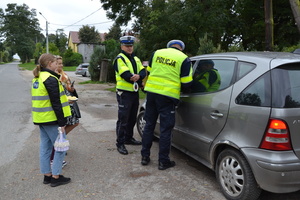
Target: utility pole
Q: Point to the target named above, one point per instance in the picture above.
(47, 43)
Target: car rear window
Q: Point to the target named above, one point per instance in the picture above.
(257, 93)
(286, 86)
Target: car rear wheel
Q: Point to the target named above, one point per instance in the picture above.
(235, 176)
(84, 75)
(140, 122)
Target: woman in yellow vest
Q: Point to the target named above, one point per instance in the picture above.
(50, 108)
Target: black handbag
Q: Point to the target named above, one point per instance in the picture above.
(76, 109)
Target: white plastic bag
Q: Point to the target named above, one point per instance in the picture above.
(61, 143)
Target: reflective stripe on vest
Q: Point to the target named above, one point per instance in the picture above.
(42, 110)
(165, 71)
(122, 67)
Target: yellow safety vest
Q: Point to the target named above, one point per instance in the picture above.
(122, 84)
(165, 71)
(42, 111)
(204, 79)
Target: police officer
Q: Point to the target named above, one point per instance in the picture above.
(169, 69)
(129, 75)
(206, 78)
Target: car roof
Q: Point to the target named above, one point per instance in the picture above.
(276, 58)
(257, 54)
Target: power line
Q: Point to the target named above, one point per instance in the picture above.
(82, 18)
(74, 24)
(81, 24)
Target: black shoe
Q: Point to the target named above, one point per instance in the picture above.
(163, 166)
(122, 150)
(47, 179)
(133, 142)
(60, 181)
(145, 160)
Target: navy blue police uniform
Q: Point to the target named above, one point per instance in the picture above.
(126, 65)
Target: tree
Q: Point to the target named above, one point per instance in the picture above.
(295, 5)
(59, 39)
(123, 11)
(114, 32)
(226, 22)
(89, 34)
(37, 52)
(269, 25)
(20, 29)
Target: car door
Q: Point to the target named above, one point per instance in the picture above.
(200, 116)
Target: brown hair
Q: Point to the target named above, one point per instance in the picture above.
(43, 62)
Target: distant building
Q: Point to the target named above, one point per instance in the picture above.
(73, 40)
(85, 50)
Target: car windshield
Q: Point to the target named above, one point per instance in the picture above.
(286, 86)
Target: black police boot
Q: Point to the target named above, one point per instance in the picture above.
(122, 149)
(166, 165)
(145, 160)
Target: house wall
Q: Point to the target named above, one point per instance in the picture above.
(72, 45)
(86, 50)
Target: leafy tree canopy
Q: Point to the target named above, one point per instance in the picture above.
(20, 28)
(226, 22)
(114, 32)
(89, 34)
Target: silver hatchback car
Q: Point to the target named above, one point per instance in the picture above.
(248, 128)
(82, 69)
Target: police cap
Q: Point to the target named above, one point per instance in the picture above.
(127, 40)
(179, 42)
(206, 62)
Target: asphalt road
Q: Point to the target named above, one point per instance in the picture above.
(97, 170)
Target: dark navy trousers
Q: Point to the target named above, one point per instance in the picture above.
(128, 103)
(164, 107)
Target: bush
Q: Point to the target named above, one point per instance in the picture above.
(96, 58)
(72, 59)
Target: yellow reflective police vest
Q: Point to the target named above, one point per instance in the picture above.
(122, 84)
(165, 71)
(204, 79)
(42, 111)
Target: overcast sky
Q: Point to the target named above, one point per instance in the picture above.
(69, 15)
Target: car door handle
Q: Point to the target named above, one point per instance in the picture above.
(216, 114)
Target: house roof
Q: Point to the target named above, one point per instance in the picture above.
(74, 35)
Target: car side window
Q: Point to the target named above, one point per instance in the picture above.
(211, 75)
(257, 93)
(243, 69)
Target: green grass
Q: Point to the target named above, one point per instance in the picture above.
(91, 82)
(27, 66)
(30, 66)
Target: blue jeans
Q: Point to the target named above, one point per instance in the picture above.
(48, 135)
(164, 107)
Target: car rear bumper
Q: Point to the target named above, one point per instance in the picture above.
(274, 171)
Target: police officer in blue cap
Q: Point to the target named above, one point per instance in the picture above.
(169, 70)
(129, 73)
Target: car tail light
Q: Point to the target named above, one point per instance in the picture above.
(277, 136)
